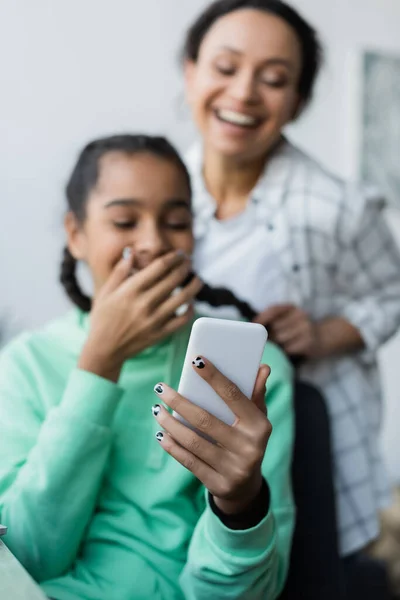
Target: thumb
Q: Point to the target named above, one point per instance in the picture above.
(260, 388)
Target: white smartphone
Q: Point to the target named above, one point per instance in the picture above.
(235, 348)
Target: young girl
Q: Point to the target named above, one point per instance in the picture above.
(103, 493)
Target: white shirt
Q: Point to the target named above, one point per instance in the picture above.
(308, 238)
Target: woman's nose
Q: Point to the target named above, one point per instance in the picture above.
(243, 88)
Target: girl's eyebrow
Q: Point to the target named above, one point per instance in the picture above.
(177, 203)
(170, 203)
(123, 202)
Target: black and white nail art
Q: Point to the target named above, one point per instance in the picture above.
(159, 389)
(127, 253)
(199, 363)
(159, 436)
(183, 308)
(156, 410)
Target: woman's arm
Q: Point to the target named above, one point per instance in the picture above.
(367, 300)
(336, 336)
(292, 328)
(369, 273)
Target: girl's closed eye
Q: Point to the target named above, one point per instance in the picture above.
(179, 226)
(125, 224)
(123, 217)
(225, 69)
(178, 219)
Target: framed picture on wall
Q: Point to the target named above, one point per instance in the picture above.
(380, 136)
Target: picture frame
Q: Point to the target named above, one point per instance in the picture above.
(380, 123)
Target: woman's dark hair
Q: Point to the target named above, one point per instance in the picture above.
(312, 53)
(84, 178)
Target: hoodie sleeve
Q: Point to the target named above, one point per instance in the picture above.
(252, 563)
(51, 463)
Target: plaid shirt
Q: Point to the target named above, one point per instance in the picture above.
(308, 238)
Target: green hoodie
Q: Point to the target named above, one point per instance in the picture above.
(96, 509)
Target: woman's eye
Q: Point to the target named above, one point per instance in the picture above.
(274, 82)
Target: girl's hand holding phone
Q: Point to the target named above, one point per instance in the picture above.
(230, 468)
(132, 313)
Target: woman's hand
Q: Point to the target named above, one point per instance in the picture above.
(231, 468)
(291, 328)
(133, 312)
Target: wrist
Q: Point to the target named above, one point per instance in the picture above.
(242, 503)
(319, 348)
(335, 337)
(99, 362)
(249, 517)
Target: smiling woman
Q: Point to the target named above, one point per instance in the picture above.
(245, 77)
(311, 253)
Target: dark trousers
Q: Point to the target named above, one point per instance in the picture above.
(316, 571)
(366, 578)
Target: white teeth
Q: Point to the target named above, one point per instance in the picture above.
(236, 118)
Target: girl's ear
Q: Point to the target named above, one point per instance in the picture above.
(76, 239)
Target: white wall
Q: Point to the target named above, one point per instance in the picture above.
(75, 69)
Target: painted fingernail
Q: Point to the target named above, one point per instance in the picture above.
(159, 389)
(199, 363)
(127, 253)
(159, 436)
(156, 409)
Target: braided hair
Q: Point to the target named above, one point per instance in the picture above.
(222, 297)
(84, 178)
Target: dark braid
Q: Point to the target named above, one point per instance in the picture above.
(222, 297)
(69, 281)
